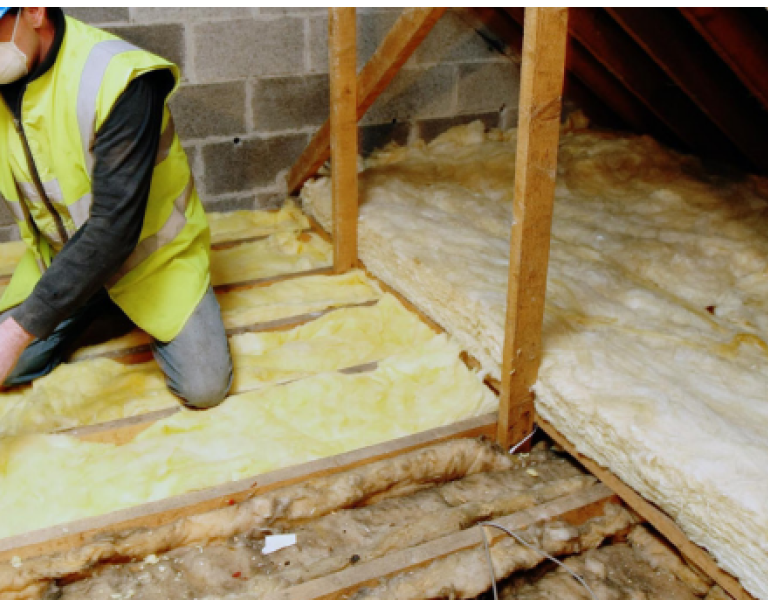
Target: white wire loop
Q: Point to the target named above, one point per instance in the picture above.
(576, 576)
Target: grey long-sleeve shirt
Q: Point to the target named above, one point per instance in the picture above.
(124, 155)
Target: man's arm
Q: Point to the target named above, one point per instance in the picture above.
(124, 157)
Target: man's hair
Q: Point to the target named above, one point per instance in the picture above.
(13, 11)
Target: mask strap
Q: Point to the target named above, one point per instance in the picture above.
(15, 25)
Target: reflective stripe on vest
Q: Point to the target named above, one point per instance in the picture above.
(167, 233)
(51, 188)
(90, 83)
(16, 210)
(87, 96)
(53, 191)
(80, 210)
(166, 141)
(18, 214)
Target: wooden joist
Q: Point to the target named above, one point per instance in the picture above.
(698, 71)
(78, 533)
(342, 44)
(267, 281)
(122, 431)
(663, 524)
(575, 508)
(405, 36)
(535, 171)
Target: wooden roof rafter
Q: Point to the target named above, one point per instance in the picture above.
(737, 41)
(700, 73)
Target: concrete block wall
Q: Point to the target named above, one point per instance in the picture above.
(255, 87)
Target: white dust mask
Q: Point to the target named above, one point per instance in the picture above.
(13, 62)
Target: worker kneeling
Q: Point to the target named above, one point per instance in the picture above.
(96, 178)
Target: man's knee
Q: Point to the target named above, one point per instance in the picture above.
(207, 393)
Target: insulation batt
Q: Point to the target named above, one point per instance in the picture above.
(225, 227)
(282, 509)
(281, 253)
(326, 544)
(422, 387)
(100, 390)
(239, 224)
(242, 308)
(655, 358)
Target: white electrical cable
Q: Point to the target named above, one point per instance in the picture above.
(576, 576)
(490, 564)
(528, 437)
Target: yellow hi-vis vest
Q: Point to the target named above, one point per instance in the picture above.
(163, 280)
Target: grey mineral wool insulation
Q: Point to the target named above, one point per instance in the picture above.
(643, 568)
(465, 574)
(331, 543)
(279, 508)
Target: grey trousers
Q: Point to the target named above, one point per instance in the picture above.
(197, 363)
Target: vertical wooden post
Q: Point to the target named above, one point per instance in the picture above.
(342, 45)
(541, 88)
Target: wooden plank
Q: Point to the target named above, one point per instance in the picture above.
(142, 353)
(318, 229)
(536, 167)
(663, 523)
(267, 281)
(226, 244)
(342, 44)
(610, 46)
(699, 72)
(77, 533)
(120, 431)
(344, 583)
(433, 325)
(731, 33)
(405, 36)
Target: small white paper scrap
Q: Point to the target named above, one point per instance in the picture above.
(273, 543)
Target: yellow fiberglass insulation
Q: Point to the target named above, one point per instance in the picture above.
(100, 390)
(343, 338)
(655, 338)
(252, 306)
(225, 227)
(49, 479)
(279, 254)
(241, 224)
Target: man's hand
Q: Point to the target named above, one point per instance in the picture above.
(13, 340)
